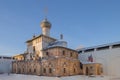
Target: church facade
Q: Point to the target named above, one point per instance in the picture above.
(47, 56)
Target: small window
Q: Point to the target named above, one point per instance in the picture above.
(44, 70)
(29, 70)
(64, 70)
(64, 64)
(34, 70)
(63, 52)
(33, 48)
(47, 53)
(19, 71)
(74, 70)
(101, 69)
(71, 54)
(91, 67)
(23, 69)
(81, 65)
(50, 70)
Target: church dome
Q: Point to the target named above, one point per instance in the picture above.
(45, 23)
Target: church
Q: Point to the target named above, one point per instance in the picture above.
(47, 56)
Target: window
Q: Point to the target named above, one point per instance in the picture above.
(86, 70)
(74, 70)
(34, 70)
(29, 70)
(70, 54)
(63, 52)
(47, 53)
(50, 70)
(23, 69)
(44, 70)
(33, 48)
(101, 69)
(91, 67)
(19, 70)
(64, 70)
(81, 65)
(64, 64)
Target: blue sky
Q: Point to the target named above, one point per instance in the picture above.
(82, 22)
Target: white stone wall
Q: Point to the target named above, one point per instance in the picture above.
(5, 65)
(110, 58)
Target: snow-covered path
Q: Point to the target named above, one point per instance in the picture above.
(33, 77)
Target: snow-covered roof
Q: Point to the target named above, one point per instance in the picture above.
(94, 47)
(57, 43)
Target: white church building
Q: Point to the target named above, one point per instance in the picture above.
(108, 55)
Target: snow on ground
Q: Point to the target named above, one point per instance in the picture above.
(33, 77)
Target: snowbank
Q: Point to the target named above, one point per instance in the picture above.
(33, 77)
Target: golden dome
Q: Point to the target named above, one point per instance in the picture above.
(45, 23)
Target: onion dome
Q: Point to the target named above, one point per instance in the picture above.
(45, 23)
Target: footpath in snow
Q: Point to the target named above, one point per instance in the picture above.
(33, 77)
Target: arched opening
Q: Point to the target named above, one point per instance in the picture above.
(23, 70)
(33, 48)
(81, 65)
(74, 70)
(101, 70)
(19, 71)
(50, 70)
(87, 71)
(71, 54)
(34, 70)
(44, 70)
(47, 54)
(63, 52)
(30, 70)
(64, 70)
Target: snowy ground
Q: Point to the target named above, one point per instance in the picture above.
(33, 77)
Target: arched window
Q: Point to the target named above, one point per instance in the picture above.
(29, 70)
(101, 70)
(74, 70)
(63, 52)
(71, 54)
(23, 69)
(34, 70)
(64, 63)
(81, 65)
(50, 70)
(44, 70)
(86, 70)
(64, 70)
(47, 53)
(33, 48)
(19, 70)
